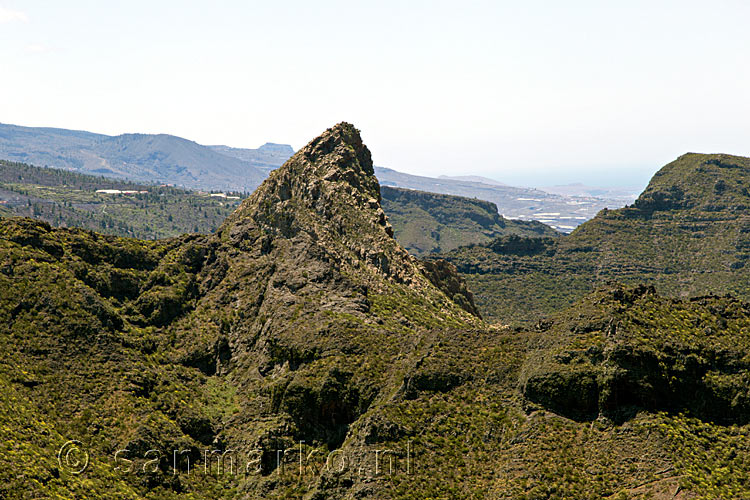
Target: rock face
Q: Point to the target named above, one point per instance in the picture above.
(321, 360)
(301, 313)
(443, 275)
(328, 192)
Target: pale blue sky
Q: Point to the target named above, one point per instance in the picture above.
(527, 92)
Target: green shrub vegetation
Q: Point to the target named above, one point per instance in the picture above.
(328, 362)
(684, 235)
(69, 199)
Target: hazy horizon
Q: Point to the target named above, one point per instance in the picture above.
(535, 94)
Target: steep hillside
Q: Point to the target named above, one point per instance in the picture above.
(623, 350)
(300, 352)
(140, 157)
(668, 368)
(283, 325)
(688, 234)
(428, 222)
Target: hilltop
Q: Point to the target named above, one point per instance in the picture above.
(687, 234)
(301, 333)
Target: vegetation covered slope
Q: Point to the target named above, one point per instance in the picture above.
(284, 324)
(673, 366)
(321, 359)
(688, 234)
(68, 199)
(428, 222)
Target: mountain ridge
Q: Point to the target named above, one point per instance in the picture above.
(167, 159)
(686, 234)
(302, 332)
(563, 213)
(153, 158)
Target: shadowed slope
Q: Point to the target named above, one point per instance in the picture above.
(302, 328)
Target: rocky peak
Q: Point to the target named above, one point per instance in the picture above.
(327, 190)
(336, 161)
(337, 145)
(324, 203)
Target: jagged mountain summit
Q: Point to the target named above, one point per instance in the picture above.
(301, 313)
(687, 234)
(301, 352)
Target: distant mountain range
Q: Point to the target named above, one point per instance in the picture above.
(472, 178)
(167, 159)
(266, 158)
(142, 157)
